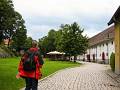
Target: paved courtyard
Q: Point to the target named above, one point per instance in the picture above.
(89, 76)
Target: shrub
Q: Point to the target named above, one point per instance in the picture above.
(5, 52)
(112, 61)
(52, 59)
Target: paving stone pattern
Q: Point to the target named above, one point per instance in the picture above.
(90, 76)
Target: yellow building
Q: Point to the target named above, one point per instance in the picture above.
(116, 20)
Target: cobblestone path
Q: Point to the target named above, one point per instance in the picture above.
(90, 76)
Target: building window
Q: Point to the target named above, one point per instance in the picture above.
(106, 54)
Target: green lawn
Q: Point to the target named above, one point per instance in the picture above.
(8, 71)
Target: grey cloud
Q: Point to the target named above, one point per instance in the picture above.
(85, 21)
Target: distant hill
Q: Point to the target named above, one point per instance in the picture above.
(5, 52)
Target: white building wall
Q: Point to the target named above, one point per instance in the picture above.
(80, 57)
(98, 52)
(106, 52)
(111, 48)
(102, 48)
(91, 52)
(106, 47)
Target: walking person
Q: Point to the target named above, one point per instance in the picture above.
(30, 67)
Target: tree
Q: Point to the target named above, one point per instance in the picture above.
(58, 39)
(42, 44)
(7, 15)
(73, 42)
(68, 39)
(47, 43)
(51, 40)
(28, 43)
(19, 38)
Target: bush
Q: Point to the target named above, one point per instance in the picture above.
(112, 61)
(51, 59)
(5, 52)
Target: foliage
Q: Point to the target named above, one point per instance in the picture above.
(58, 40)
(19, 38)
(112, 61)
(7, 19)
(68, 39)
(42, 46)
(5, 52)
(8, 71)
(51, 59)
(72, 41)
(47, 43)
(11, 25)
(28, 43)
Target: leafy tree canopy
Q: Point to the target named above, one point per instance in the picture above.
(11, 25)
(19, 37)
(68, 39)
(47, 43)
(7, 18)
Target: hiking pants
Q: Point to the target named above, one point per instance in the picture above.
(31, 83)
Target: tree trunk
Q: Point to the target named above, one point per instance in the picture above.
(75, 58)
(1, 36)
(8, 42)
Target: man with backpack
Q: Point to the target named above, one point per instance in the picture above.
(29, 67)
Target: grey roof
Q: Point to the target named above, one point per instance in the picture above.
(103, 36)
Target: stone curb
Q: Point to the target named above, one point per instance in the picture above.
(114, 76)
(56, 73)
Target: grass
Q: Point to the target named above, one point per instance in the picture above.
(52, 66)
(8, 71)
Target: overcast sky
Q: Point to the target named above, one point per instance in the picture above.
(42, 15)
